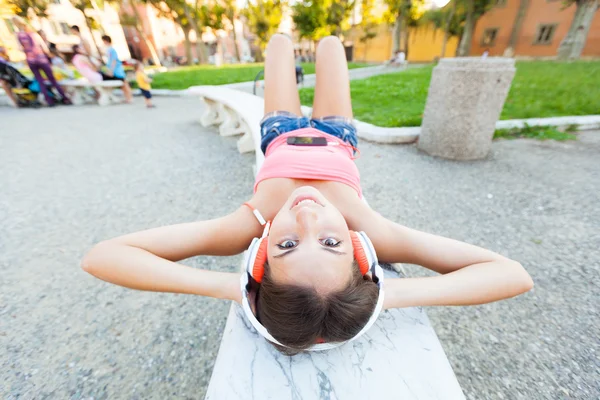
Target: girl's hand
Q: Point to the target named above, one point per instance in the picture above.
(470, 274)
(147, 260)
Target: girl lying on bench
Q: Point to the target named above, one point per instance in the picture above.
(312, 279)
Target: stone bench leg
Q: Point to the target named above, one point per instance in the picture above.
(77, 95)
(213, 112)
(106, 96)
(232, 125)
(246, 143)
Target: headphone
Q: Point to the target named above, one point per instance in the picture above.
(364, 254)
(254, 267)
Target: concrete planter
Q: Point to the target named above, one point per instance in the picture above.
(465, 99)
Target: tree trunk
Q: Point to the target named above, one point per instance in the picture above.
(187, 44)
(447, 28)
(406, 37)
(87, 24)
(397, 35)
(572, 45)
(465, 41)
(235, 43)
(140, 30)
(200, 46)
(514, 34)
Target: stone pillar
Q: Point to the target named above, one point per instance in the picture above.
(465, 99)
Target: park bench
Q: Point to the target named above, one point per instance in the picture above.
(79, 91)
(400, 357)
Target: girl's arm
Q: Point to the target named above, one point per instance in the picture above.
(147, 260)
(470, 274)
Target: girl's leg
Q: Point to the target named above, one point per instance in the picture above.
(332, 90)
(7, 88)
(36, 68)
(127, 91)
(281, 93)
(50, 75)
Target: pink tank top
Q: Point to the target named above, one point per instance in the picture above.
(32, 49)
(333, 162)
(84, 69)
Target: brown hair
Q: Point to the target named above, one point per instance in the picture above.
(299, 316)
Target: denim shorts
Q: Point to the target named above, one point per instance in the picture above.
(277, 123)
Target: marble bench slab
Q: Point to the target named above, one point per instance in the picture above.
(400, 357)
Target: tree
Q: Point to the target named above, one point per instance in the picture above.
(514, 33)
(573, 43)
(447, 19)
(21, 7)
(464, 47)
(368, 24)
(211, 16)
(134, 20)
(264, 18)
(310, 19)
(447, 24)
(337, 13)
(403, 14)
(474, 9)
(90, 22)
(231, 12)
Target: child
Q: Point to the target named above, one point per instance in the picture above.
(144, 84)
(58, 63)
(115, 70)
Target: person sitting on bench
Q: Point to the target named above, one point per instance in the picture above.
(312, 279)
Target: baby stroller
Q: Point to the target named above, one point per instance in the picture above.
(26, 90)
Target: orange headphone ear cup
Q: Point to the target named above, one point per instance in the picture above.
(359, 253)
(258, 270)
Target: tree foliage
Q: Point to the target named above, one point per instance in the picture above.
(310, 19)
(263, 18)
(315, 19)
(368, 21)
(21, 7)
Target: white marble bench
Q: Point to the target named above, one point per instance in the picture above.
(400, 357)
(236, 113)
(79, 91)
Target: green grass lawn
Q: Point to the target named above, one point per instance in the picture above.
(184, 77)
(539, 89)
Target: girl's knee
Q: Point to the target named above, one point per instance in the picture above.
(280, 40)
(329, 42)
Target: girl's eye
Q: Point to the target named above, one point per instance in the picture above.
(287, 244)
(330, 242)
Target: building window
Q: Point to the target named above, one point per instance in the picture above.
(65, 28)
(54, 26)
(544, 34)
(489, 37)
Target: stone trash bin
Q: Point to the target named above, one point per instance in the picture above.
(465, 99)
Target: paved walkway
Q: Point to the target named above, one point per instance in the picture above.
(70, 177)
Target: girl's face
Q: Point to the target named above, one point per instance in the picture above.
(309, 243)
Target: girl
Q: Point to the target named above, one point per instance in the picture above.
(37, 60)
(311, 276)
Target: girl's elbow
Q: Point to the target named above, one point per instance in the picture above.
(92, 259)
(525, 283)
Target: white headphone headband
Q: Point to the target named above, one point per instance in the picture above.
(375, 269)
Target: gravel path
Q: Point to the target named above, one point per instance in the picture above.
(70, 177)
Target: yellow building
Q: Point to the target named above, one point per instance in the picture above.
(424, 44)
